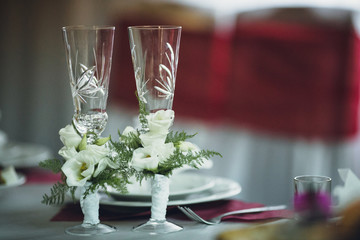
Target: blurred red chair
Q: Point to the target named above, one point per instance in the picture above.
(293, 74)
(286, 71)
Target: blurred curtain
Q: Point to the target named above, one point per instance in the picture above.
(35, 99)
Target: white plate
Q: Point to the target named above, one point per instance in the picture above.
(23, 155)
(21, 180)
(223, 188)
(180, 184)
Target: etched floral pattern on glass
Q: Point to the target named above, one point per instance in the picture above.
(155, 52)
(89, 56)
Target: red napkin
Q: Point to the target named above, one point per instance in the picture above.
(72, 212)
(39, 176)
(213, 209)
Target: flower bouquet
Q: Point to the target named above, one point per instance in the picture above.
(88, 161)
(88, 167)
(155, 152)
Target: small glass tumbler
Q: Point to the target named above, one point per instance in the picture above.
(312, 197)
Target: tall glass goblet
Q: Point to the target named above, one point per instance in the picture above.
(89, 55)
(155, 52)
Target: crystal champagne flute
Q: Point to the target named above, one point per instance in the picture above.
(155, 52)
(89, 55)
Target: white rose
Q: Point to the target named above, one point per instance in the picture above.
(67, 152)
(69, 137)
(164, 151)
(78, 169)
(150, 138)
(188, 146)
(145, 158)
(160, 121)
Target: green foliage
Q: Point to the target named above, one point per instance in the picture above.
(115, 178)
(57, 195)
(123, 150)
(179, 159)
(52, 164)
(142, 113)
(176, 137)
(109, 178)
(128, 144)
(131, 141)
(121, 155)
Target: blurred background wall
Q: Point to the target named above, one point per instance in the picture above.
(268, 130)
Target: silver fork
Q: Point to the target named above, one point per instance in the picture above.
(192, 215)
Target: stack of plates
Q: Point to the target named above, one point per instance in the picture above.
(23, 155)
(185, 188)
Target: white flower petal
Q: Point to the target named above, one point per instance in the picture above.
(164, 151)
(69, 137)
(188, 146)
(95, 152)
(160, 121)
(78, 170)
(88, 169)
(151, 138)
(71, 169)
(144, 158)
(67, 152)
(129, 130)
(103, 164)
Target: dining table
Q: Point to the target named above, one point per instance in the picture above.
(23, 216)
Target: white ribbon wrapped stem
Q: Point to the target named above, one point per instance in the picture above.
(90, 205)
(159, 196)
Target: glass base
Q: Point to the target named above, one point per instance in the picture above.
(154, 227)
(89, 229)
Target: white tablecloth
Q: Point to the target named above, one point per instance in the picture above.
(23, 216)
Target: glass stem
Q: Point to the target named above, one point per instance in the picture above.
(90, 138)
